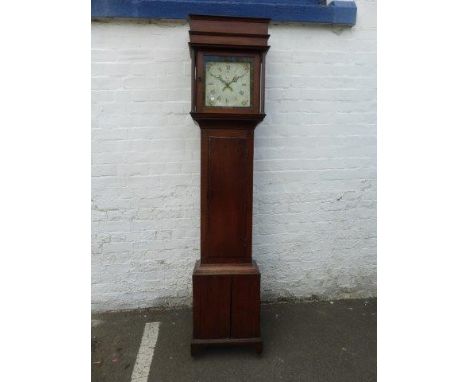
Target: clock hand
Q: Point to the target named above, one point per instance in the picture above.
(235, 78)
(226, 84)
(218, 78)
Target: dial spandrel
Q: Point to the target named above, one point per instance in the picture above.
(228, 81)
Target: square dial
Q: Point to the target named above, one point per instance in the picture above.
(228, 81)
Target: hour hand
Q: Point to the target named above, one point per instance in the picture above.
(218, 78)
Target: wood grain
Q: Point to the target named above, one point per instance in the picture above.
(211, 308)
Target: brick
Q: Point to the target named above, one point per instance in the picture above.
(314, 229)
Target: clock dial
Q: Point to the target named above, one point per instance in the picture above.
(228, 83)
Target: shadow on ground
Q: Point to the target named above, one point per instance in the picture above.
(317, 341)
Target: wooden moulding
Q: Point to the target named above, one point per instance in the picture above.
(250, 33)
(237, 40)
(198, 345)
(225, 269)
(228, 119)
(228, 32)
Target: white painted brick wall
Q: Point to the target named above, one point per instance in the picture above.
(315, 164)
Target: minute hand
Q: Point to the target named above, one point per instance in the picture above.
(226, 84)
(235, 78)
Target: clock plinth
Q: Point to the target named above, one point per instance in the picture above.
(228, 56)
(226, 305)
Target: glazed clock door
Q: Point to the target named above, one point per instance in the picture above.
(228, 82)
(227, 195)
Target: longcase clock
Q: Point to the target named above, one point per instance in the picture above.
(228, 72)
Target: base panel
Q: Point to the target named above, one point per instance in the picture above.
(226, 305)
(198, 345)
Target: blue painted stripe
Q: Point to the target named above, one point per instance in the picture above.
(314, 11)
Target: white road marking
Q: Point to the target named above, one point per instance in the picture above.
(145, 353)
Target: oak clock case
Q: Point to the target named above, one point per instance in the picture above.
(228, 57)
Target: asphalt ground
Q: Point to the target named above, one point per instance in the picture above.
(315, 341)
